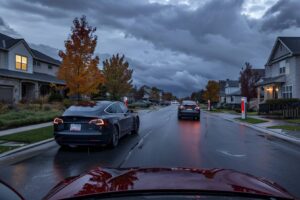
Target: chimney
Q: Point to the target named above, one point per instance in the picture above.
(4, 44)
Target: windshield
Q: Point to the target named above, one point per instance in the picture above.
(141, 95)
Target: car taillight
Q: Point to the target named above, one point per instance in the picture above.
(197, 108)
(98, 122)
(58, 121)
(181, 107)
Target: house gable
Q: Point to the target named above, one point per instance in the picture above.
(279, 52)
(21, 48)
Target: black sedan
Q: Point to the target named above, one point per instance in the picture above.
(189, 109)
(97, 123)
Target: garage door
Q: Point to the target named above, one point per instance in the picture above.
(6, 94)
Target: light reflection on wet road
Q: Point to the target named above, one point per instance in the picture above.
(164, 142)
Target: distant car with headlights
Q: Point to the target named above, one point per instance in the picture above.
(189, 109)
(95, 123)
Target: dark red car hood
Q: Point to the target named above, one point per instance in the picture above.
(110, 180)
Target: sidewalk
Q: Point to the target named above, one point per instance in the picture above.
(292, 136)
(24, 128)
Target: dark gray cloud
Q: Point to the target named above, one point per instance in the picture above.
(48, 50)
(283, 15)
(174, 46)
(6, 29)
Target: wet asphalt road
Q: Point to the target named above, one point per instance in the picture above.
(163, 142)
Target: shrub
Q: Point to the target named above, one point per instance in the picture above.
(55, 97)
(47, 108)
(3, 108)
(67, 103)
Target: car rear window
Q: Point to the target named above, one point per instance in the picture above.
(85, 110)
(192, 103)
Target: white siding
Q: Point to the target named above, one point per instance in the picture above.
(43, 68)
(233, 99)
(229, 90)
(19, 49)
(280, 51)
(272, 71)
(296, 90)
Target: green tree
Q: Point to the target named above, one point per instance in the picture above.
(117, 76)
(167, 96)
(139, 93)
(212, 91)
(154, 93)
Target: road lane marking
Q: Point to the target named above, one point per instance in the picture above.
(230, 154)
(139, 144)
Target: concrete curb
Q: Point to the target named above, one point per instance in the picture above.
(263, 130)
(17, 150)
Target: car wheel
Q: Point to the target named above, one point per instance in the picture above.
(136, 126)
(115, 137)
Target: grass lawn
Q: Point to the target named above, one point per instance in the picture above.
(286, 127)
(14, 119)
(251, 120)
(5, 148)
(252, 113)
(31, 136)
(224, 111)
(297, 121)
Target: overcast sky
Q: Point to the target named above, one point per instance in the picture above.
(176, 45)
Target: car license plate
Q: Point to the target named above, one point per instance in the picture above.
(189, 109)
(75, 127)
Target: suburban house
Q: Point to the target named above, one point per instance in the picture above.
(282, 71)
(230, 92)
(233, 92)
(25, 73)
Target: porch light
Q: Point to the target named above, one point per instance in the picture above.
(277, 89)
(269, 89)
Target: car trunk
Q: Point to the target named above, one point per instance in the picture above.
(189, 107)
(78, 124)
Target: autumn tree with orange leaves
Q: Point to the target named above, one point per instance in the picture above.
(117, 76)
(79, 65)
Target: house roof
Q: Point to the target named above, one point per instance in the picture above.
(271, 80)
(35, 76)
(44, 57)
(292, 43)
(7, 42)
(236, 93)
(232, 83)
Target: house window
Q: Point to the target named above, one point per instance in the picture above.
(287, 92)
(284, 67)
(282, 70)
(49, 66)
(21, 62)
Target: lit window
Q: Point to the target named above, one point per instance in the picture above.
(21, 62)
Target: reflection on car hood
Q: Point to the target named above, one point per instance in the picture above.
(111, 180)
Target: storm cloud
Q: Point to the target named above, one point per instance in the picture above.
(175, 45)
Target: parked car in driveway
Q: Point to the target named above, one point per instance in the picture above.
(189, 109)
(166, 183)
(95, 123)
